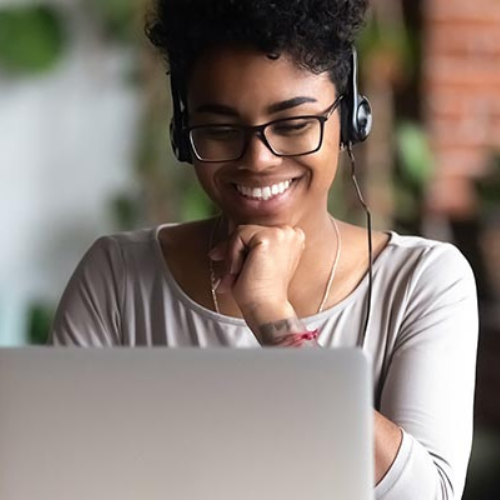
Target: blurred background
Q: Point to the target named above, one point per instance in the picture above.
(84, 151)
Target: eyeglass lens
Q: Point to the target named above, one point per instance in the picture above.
(288, 137)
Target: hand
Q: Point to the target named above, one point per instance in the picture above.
(258, 264)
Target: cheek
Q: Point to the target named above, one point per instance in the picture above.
(206, 174)
(203, 174)
(331, 150)
(331, 138)
(327, 158)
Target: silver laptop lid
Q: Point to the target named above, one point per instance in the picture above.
(151, 424)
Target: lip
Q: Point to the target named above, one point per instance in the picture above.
(249, 206)
(262, 182)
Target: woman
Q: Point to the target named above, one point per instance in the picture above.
(262, 95)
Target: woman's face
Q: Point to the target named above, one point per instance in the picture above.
(242, 86)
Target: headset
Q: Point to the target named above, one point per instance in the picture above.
(356, 124)
(356, 116)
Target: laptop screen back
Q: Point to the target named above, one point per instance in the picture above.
(151, 424)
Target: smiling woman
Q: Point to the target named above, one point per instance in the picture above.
(264, 98)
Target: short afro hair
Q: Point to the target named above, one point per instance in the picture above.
(317, 34)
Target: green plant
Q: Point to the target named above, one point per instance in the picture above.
(127, 211)
(32, 38)
(40, 317)
(414, 152)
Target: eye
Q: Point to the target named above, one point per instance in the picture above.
(218, 133)
(292, 127)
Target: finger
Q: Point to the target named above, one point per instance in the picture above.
(218, 253)
(237, 252)
(226, 283)
(301, 236)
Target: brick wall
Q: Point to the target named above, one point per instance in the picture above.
(462, 88)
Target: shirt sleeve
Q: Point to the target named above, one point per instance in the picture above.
(88, 314)
(429, 385)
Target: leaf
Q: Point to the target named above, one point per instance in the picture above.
(40, 318)
(414, 152)
(31, 38)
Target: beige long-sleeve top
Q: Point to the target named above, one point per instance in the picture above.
(422, 340)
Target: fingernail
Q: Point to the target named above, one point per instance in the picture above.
(215, 254)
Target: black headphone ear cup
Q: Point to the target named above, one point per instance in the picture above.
(180, 141)
(357, 117)
(173, 139)
(363, 120)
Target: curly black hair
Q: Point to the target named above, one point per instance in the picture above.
(317, 34)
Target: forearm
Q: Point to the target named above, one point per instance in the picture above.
(388, 437)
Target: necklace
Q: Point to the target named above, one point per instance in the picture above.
(213, 281)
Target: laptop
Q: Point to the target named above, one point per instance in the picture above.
(185, 424)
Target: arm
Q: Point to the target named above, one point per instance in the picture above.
(428, 385)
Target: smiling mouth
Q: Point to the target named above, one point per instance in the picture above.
(264, 193)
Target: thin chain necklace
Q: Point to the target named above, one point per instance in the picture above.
(213, 281)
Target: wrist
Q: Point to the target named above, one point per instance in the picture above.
(278, 325)
(258, 315)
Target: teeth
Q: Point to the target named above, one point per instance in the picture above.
(264, 193)
(256, 193)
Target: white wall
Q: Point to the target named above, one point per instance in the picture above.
(67, 145)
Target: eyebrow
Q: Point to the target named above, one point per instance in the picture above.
(221, 109)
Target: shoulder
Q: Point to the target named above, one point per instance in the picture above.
(116, 256)
(129, 241)
(175, 251)
(426, 259)
(146, 251)
(139, 244)
(114, 249)
(432, 279)
(188, 234)
(90, 311)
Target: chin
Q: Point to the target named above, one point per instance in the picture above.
(267, 220)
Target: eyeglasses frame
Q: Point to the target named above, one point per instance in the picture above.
(250, 130)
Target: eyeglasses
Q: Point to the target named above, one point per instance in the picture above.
(297, 136)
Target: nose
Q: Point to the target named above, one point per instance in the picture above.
(258, 156)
